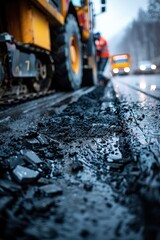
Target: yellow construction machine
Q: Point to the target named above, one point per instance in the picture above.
(46, 43)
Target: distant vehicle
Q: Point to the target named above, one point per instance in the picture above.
(145, 67)
(120, 64)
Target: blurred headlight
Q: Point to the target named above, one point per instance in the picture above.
(153, 87)
(127, 69)
(142, 67)
(116, 70)
(143, 85)
(153, 66)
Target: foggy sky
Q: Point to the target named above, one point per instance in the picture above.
(118, 15)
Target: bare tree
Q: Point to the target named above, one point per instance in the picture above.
(154, 10)
(142, 37)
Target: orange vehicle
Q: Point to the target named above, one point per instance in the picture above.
(120, 64)
(46, 43)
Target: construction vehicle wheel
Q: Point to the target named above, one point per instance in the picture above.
(68, 56)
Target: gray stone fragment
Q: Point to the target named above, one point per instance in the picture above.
(43, 204)
(4, 202)
(51, 189)
(9, 186)
(76, 166)
(88, 186)
(43, 141)
(25, 175)
(34, 143)
(15, 160)
(31, 157)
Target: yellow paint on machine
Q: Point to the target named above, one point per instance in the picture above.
(51, 13)
(36, 29)
(34, 26)
(30, 23)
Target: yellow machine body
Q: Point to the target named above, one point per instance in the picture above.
(29, 21)
(43, 39)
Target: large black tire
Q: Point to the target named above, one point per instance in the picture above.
(67, 54)
(90, 71)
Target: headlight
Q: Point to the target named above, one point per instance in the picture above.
(115, 70)
(127, 69)
(142, 67)
(153, 66)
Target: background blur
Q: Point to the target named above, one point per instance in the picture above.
(132, 27)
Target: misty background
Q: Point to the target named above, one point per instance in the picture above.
(141, 38)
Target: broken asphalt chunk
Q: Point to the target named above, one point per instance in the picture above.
(9, 186)
(24, 174)
(112, 165)
(31, 157)
(51, 189)
(15, 160)
(32, 143)
(43, 141)
(88, 186)
(76, 166)
(4, 202)
(43, 204)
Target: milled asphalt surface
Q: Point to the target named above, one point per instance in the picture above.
(78, 173)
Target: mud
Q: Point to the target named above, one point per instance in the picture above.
(78, 173)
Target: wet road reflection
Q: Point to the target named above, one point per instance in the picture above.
(140, 94)
(147, 84)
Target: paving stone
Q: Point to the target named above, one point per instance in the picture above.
(24, 174)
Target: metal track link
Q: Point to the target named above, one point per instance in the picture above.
(14, 98)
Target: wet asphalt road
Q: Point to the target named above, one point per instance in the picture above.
(91, 168)
(142, 94)
(139, 96)
(144, 86)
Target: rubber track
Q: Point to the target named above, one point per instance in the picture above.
(13, 99)
(23, 98)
